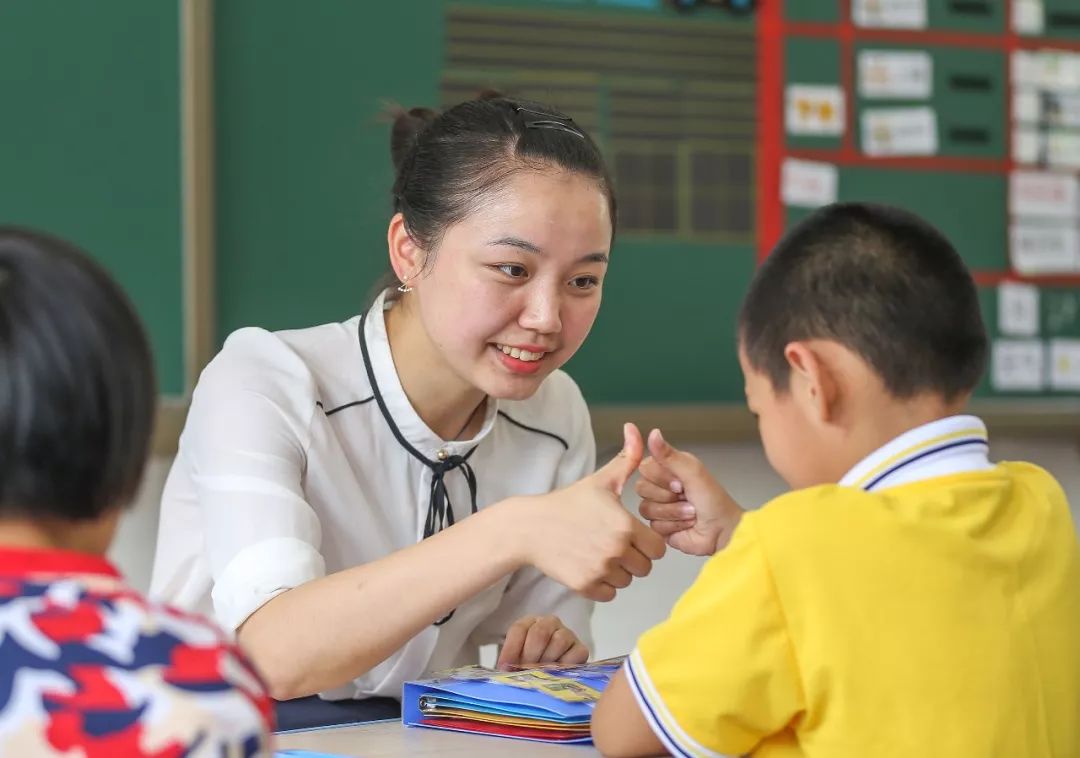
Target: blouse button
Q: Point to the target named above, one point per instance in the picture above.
(442, 455)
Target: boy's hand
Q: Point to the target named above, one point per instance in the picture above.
(581, 536)
(683, 502)
(540, 639)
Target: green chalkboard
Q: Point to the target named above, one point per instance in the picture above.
(303, 166)
(90, 145)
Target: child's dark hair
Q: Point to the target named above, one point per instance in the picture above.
(878, 280)
(446, 164)
(77, 389)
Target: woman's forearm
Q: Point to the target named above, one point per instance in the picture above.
(331, 630)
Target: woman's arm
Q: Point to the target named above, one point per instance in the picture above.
(330, 630)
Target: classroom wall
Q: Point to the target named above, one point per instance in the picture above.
(741, 466)
(282, 143)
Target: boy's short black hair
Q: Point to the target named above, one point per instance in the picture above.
(878, 280)
(77, 387)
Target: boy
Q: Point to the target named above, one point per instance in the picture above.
(908, 597)
(87, 666)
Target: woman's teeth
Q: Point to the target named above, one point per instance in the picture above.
(521, 355)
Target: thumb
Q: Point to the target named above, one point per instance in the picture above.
(682, 465)
(620, 468)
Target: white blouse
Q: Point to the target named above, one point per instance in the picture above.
(302, 456)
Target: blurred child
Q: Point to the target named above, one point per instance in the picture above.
(87, 666)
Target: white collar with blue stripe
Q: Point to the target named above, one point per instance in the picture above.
(953, 445)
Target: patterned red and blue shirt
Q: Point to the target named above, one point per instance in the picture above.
(90, 668)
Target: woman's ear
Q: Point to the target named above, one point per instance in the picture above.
(406, 257)
(814, 382)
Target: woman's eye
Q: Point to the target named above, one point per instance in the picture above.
(585, 282)
(513, 270)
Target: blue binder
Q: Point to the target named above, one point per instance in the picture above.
(547, 703)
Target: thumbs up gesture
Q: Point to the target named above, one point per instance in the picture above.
(582, 536)
(683, 502)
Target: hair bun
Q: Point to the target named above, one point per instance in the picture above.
(407, 125)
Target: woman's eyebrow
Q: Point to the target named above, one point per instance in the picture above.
(532, 248)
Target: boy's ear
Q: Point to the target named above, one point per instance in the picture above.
(814, 383)
(406, 257)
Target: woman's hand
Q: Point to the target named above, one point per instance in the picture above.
(581, 535)
(540, 639)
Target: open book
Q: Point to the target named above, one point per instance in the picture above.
(547, 703)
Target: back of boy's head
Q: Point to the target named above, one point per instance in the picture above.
(77, 387)
(881, 282)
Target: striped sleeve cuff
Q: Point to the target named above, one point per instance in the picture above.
(660, 719)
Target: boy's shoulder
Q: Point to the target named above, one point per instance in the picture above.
(79, 640)
(794, 510)
(1036, 477)
(833, 511)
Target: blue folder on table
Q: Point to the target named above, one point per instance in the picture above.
(546, 703)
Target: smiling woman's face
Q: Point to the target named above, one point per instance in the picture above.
(515, 286)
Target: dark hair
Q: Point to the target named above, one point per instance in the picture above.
(447, 163)
(878, 280)
(77, 390)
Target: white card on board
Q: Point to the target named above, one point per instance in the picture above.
(900, 74)
(1044, 193)
(1024, 69)
(1028, 16)
(1018, 309)
(1057, 70)
(1065, 364)
(1047, 248)
(814, 110)
(889, 14)
(1063, 150)
(1018, 365)
(1028, 145)
(899, 131)
(1025, 105)
(808, 184)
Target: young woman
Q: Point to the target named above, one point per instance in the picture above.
(370, 500)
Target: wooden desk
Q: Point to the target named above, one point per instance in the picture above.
(389, 739)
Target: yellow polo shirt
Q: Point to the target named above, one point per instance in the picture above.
(935, 617)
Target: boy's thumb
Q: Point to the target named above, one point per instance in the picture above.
(622, 466)
(673, 460)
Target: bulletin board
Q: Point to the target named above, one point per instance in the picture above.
(966, 112)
